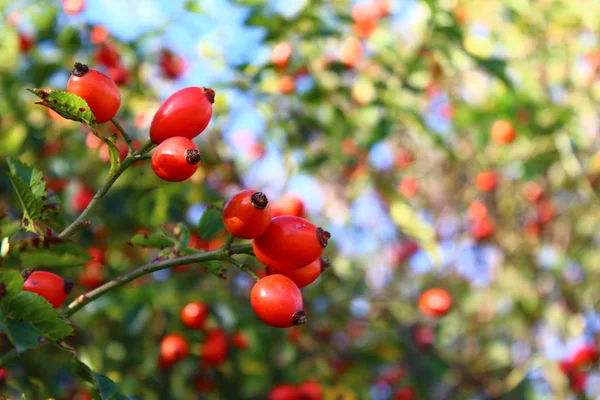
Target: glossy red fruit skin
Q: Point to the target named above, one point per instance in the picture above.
(175, 159)
(186, 113)
(290, 243)
(247, 214)
(277, 301)
(435, 302)
(304, 276)
(215, 348)
(98, 90)
(193, 315)
(284, 391)
(48, 285)
(310, 390)
(173, 348)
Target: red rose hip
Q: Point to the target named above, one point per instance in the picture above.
(277, 301)
(98, 90)
(175, 159)
(247, 214)
(186, 113)
(290, 243)
(48, 285)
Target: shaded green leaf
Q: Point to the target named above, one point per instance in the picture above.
(22, 334)
(32, 206)
(49, 253)
(211, 223)
(66, 104)
(9, 228)
(106, 387)
(13, 283)
(39, 312)
(152, 240)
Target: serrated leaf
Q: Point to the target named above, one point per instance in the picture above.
(151, 240)
(106, 387)
(31, 307)
(412, 225)
(9, 228)
(211, 223)
(32, 206)
(68, 105)
(22, 334)
(37, 206)
(32, 176)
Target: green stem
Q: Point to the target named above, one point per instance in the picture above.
(244, 268)
(222, 253)
(124, 134)
(229, 241)
(110, 180)
(8, 357)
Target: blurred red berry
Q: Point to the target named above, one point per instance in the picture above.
(309, 390)
(405, 393)
(98, 34)
(283, 391)
(239, 340)
(82, 197)
(486, 181)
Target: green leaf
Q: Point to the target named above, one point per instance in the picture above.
(106, 387)
(22, 334)
(32, 206)
(114, 154)
(216, 268)
(9, 228)
(211, 223)
(66, 104)
(152, 240)
(32, 176)
(193, 6)
(412, 225)
(31, 307)
(49, 253)
(13, 283)
(31, 188)
(495, 67)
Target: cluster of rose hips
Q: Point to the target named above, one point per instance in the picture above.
(213, 351)
(182, 117)
(288, 245)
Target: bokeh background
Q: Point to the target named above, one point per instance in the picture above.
(378, 116)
